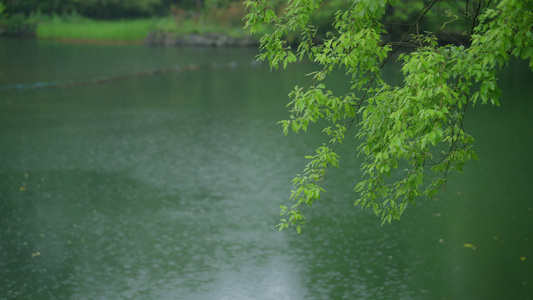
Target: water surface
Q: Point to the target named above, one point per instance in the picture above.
(168, 186)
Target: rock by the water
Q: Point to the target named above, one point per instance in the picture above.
(198, 40)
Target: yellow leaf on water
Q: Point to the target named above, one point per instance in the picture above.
(522, 258)
(22, 188)
(471, 246)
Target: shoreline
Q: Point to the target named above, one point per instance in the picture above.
(160, 39)
(93, 41)
(208, 39)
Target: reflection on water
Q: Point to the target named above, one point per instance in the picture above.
(168, 187)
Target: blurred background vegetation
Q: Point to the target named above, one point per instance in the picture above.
(132, 20)
(118, 19)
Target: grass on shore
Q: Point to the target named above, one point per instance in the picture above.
(80, 28)
(86, 29)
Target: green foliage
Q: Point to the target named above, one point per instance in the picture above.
(218, 17)
(109, 9)
(412, 134)
(83, 28)
(18, 25)
(191, 26)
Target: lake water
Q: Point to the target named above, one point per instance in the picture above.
(166, 184)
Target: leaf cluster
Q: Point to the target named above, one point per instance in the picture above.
(412, 134)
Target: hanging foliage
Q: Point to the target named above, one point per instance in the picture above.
(416, 126)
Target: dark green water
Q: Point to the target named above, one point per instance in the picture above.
(168, 187)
